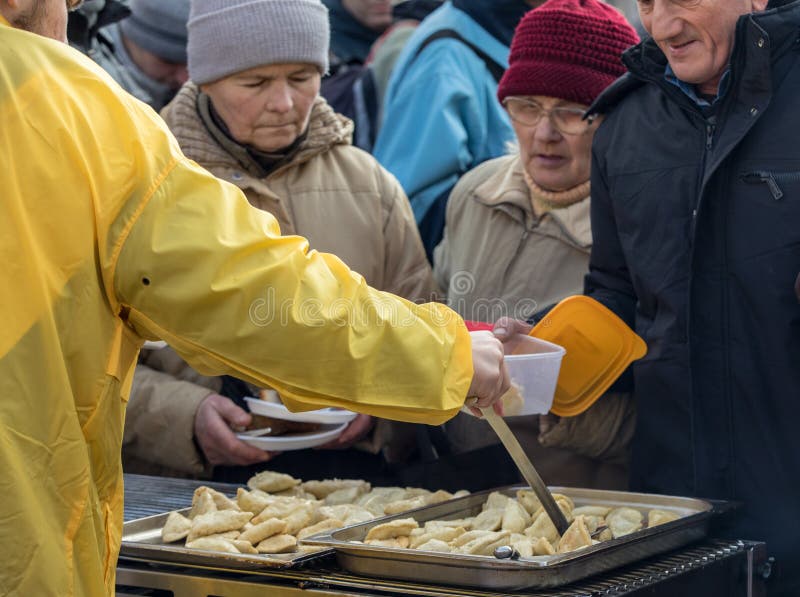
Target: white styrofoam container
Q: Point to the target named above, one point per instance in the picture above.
(534, 370)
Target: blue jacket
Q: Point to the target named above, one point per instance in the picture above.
(441, 116)
(696, 225)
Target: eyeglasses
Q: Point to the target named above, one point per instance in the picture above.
(525, 111)
(74, 5)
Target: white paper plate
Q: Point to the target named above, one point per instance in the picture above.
(330, 416)
(295, 441)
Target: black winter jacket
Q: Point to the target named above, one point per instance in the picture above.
(696, 224)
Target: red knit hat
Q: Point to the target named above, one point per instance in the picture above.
(569, 49)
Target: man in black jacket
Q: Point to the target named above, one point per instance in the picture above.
(696, 223)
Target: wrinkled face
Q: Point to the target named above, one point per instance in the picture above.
(375, 14)
(267, 107)
(43, 17)
(554, 160)
(696, 36)
(171, 74)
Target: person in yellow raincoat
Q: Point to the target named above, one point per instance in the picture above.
(109, 236)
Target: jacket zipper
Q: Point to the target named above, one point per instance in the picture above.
(711, 129)
(771, 180)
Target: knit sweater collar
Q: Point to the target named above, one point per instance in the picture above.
(507, 187)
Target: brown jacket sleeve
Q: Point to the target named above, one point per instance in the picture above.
(159, 423)
(408, 273)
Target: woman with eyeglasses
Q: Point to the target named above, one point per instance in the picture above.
(517, 233)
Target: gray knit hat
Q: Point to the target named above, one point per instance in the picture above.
(159, 26)
(229, 36)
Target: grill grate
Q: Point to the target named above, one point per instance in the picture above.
(148, 496)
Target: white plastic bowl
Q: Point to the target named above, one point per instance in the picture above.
(533, 366)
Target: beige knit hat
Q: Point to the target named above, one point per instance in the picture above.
(230, 36)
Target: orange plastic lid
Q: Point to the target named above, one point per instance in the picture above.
(599, 345)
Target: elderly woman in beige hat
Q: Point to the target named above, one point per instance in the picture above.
(252, 115)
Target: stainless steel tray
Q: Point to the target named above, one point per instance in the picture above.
(141, 540)
(537, 572)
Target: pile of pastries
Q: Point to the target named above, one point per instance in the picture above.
(519, 522)
(277, 510)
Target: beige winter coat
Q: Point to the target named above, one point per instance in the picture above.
(497, 258)
(334, 194)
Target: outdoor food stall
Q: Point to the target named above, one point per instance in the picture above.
(284, 536)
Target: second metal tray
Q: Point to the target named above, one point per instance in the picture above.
(141, 540)
(536, 572)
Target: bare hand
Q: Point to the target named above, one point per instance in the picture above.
(354, 432)
(506, 328)
(212, 429)
(490, 379)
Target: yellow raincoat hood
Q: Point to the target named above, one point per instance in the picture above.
(108, 235)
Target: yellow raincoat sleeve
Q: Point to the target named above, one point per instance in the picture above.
(200, 268)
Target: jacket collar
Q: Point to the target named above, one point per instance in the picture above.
(507, 191)
(326, 129)
(750, 68)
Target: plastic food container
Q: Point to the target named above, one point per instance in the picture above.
(533, 366)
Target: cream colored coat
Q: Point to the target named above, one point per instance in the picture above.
(332, 193)
(497, 258)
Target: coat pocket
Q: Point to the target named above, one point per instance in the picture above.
(775, 182)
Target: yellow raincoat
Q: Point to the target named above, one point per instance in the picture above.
(108, 235)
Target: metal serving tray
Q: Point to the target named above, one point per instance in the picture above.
(536, 572)
(141, 540)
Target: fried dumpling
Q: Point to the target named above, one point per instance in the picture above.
(271, 482)
(542, 547)
(656, 517)
(395, 528)
(212, 544)
(396, 542)
(495, 501)
(435, 545)
(323, 525)
(252, 501)
(345, 495)
(405, 505)
(542, 527)
(599, 511)
(202, 503)
(445, 534)
(175, 528)
(624, 521)
(488, 520)
(528, 500)
(515, 518)
(244, 547)
(575, 537)
(221, 501)
(278, 544)
(485, 544)
(217, 522)
(322, 489)
(257, 533)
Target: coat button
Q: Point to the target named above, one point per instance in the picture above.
(753, 111)
(761, 42)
